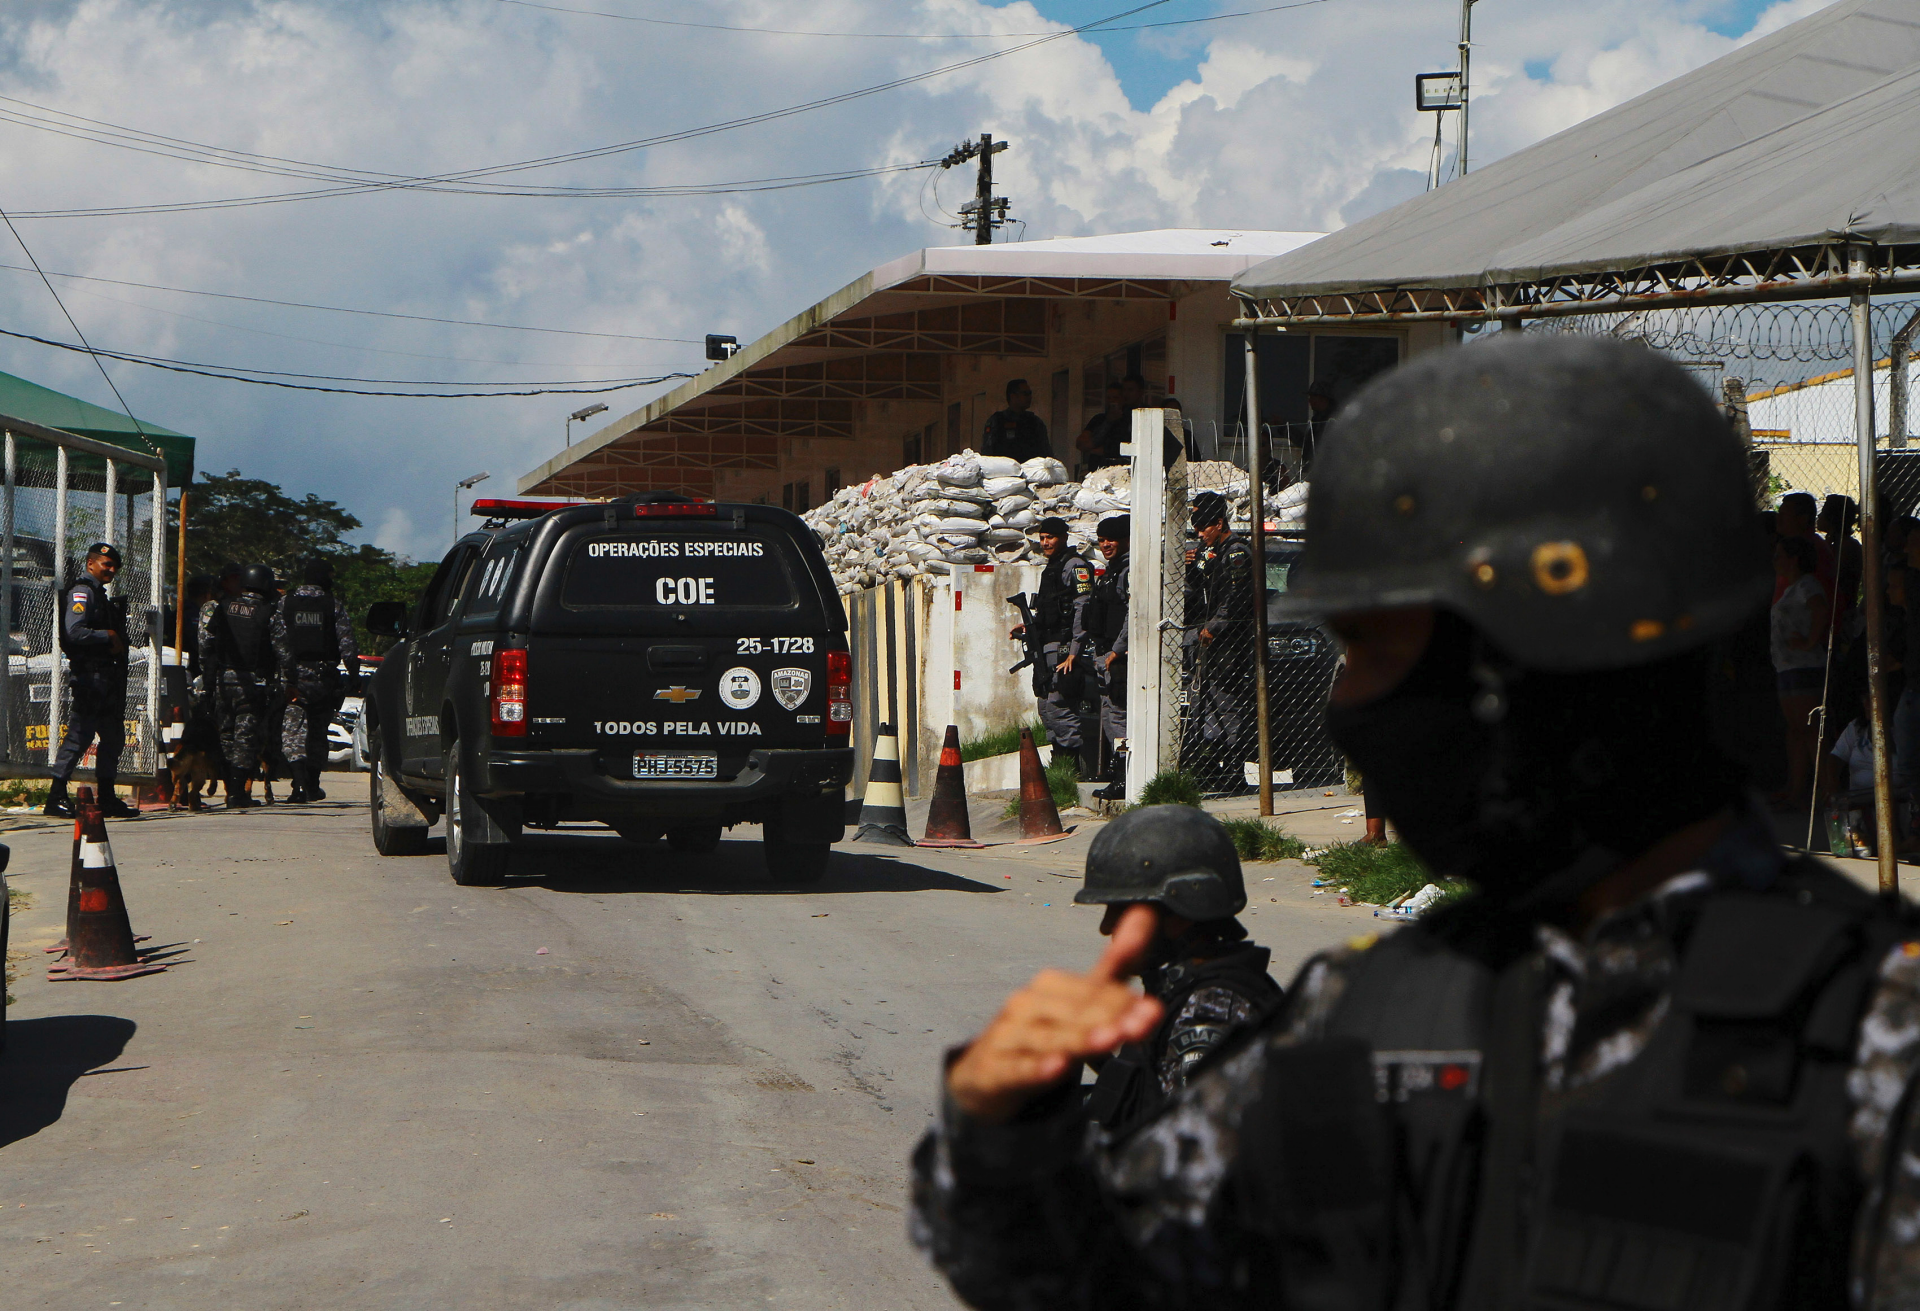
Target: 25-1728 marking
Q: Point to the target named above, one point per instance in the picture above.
(776, 645)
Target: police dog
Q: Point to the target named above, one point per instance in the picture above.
(195, 764)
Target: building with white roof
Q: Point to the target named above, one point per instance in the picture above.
(907, 363)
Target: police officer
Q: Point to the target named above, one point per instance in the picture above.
(236, 655)
(1016, 432)
(93, 635)
(312, 637)
(1221, 582)
(1066, 581)
(1180, 863)
(1653, 1061)
(1103, 632)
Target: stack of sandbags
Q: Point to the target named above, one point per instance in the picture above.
(968, 509)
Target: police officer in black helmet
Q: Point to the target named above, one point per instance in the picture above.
(236, 652)
(1179, 862)
(1221, 585)
(1066, 581)
(93, 637)
(1653, 1061)
(312, 637)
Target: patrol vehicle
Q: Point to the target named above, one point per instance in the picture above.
(663, 666)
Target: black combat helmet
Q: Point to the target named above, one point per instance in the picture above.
(1580, 500)
(1178, 856)
(257, 578)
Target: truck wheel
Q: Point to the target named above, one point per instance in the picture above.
(390, 839)
(469, 862)
(641, 835)
(696, 838)
(792, 863)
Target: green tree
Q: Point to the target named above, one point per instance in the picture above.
(252, 521)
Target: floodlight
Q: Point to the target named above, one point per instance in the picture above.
(1435, 93)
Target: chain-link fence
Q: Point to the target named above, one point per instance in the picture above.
(60, 494)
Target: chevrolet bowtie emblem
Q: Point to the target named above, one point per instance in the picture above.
(677, 695)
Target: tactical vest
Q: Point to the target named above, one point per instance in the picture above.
(1411, 1153)
(309, 620)
(1055, 608)
(1106, 614)
(247, 643)
(1128, 1090)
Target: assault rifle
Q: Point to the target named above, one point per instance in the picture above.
(1031, 642)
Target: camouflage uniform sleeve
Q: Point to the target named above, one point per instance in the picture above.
(282, 640)
(1207, 1016)
(1038, 1213)
(1886, 1137)
(211, 657)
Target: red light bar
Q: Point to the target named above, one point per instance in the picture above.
(490, 508)
(670, 509)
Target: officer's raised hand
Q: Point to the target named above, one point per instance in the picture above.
(1056, 1021)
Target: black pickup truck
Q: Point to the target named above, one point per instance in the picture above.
(663, 666)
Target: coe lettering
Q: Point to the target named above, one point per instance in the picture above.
(683, 591)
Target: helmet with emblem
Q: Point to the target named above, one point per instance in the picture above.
(1582, 501)
(1177, 856)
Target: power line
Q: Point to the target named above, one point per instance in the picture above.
(273, 378)
(338, 309)
(86, 346)
(362, 181)
(897, 36)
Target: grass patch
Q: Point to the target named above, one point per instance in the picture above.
(1063, 780)
(22, 792)
(999, 742)
(1171, 787)
(1258, 840)
(1380, 875)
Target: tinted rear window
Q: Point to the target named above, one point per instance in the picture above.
(682, 570)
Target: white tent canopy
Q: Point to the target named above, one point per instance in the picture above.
(1778, 139)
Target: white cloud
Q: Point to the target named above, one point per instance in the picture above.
(1292, 120)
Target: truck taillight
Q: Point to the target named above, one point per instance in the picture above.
(509, 700)
(839, 694)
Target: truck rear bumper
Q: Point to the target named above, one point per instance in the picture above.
(768, 776)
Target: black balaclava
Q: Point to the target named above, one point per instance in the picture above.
(1508, 776)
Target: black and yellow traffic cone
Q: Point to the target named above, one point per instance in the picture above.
(1039, 817)
(948, 824)
(883, 810)
(100, 942)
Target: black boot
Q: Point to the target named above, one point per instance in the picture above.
(1116, 790)
(1090, 763)
(57, 804)
(111, 806)
(313, 783)
(237, 798)
(298, 796)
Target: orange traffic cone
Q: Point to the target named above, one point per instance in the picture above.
(100, 942)
(947, 822)
(1039, 817)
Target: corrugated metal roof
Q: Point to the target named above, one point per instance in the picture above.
(1534, 206)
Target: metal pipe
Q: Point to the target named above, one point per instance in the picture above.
(6, 606)
(1860, 313)
(156, 596)
(56, 677)
(1466, 54)
(1256, 471)
(1898, 352)
(109, 519)
(180, 590)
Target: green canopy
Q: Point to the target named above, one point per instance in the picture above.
(43, 405)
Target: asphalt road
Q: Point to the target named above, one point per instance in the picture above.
(627, 1078)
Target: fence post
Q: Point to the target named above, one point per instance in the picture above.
(6, 607)
(1256, 485)
(156, 594)
(1862, 323)
(56, 653)
(110, 522)
(1151, 684)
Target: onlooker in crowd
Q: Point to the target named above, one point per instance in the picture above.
(1795, 518)
(1319, 411)
(1839, 516)
(1801, 615)
(1906, 709)
(1099, 442)
(1017, 432)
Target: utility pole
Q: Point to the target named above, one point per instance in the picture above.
(985, 211)
(1466, 54)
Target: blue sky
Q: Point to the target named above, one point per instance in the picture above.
(1299, 120)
